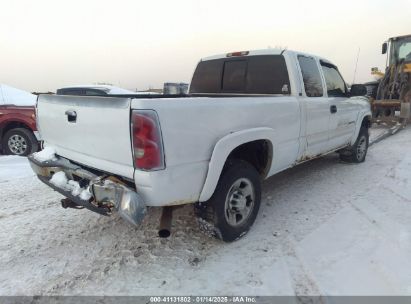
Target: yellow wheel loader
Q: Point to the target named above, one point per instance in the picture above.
(391, 94)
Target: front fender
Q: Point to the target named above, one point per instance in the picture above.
(363, 113)
(222, 150)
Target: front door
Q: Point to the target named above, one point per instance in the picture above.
(343, 119)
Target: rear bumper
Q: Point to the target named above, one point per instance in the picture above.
(107, 193)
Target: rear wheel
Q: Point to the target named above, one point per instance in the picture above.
(233, 208)
(19, 141)
(358, 151)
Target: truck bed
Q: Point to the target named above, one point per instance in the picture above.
(191, 126)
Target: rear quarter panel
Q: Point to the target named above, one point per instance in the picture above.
(191, 128)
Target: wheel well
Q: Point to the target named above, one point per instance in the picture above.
(366, 122)
(258, 153)
(12, 125)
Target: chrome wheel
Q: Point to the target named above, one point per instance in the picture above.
(239, 202)
(361, 147)
(17, 144)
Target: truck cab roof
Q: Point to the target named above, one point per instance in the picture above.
(262, 52)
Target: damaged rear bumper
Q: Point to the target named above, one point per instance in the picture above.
(107, 193)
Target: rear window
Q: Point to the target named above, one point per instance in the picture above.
(234, 76)
(81, 92)
(70, 92)
(207, 77)
(266, 74)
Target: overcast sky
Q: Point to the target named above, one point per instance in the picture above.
(47, 44)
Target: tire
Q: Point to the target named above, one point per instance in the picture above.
(357, 152)
(232, 210)
(20, 141)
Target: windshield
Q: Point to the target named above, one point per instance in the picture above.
(401, 50)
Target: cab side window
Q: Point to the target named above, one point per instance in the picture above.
(311, 76)
(335, 83)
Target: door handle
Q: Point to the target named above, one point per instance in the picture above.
(71, 115)
(333, 109)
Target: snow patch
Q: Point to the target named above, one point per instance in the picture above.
(85, 194)
(14, 167)
(323, 228)
(60, 180)
(76, 189)
(47, 154)
(13, 96)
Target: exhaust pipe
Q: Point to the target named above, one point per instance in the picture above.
(164, 230)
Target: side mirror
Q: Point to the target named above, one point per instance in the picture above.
(384, 48)
(358, 90)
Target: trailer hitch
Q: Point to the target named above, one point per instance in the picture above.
(67, 203)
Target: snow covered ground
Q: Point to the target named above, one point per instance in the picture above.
(324, 227)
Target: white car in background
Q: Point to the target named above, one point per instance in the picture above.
(16, 97)
(101, 89)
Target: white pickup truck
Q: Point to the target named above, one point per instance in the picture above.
(248, 116)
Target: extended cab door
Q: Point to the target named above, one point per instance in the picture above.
(344, 113)
(316, 107)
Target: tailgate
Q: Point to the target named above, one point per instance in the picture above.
(93, 131)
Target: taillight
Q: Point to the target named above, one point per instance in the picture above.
(146, 137)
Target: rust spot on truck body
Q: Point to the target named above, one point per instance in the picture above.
(181, 202)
